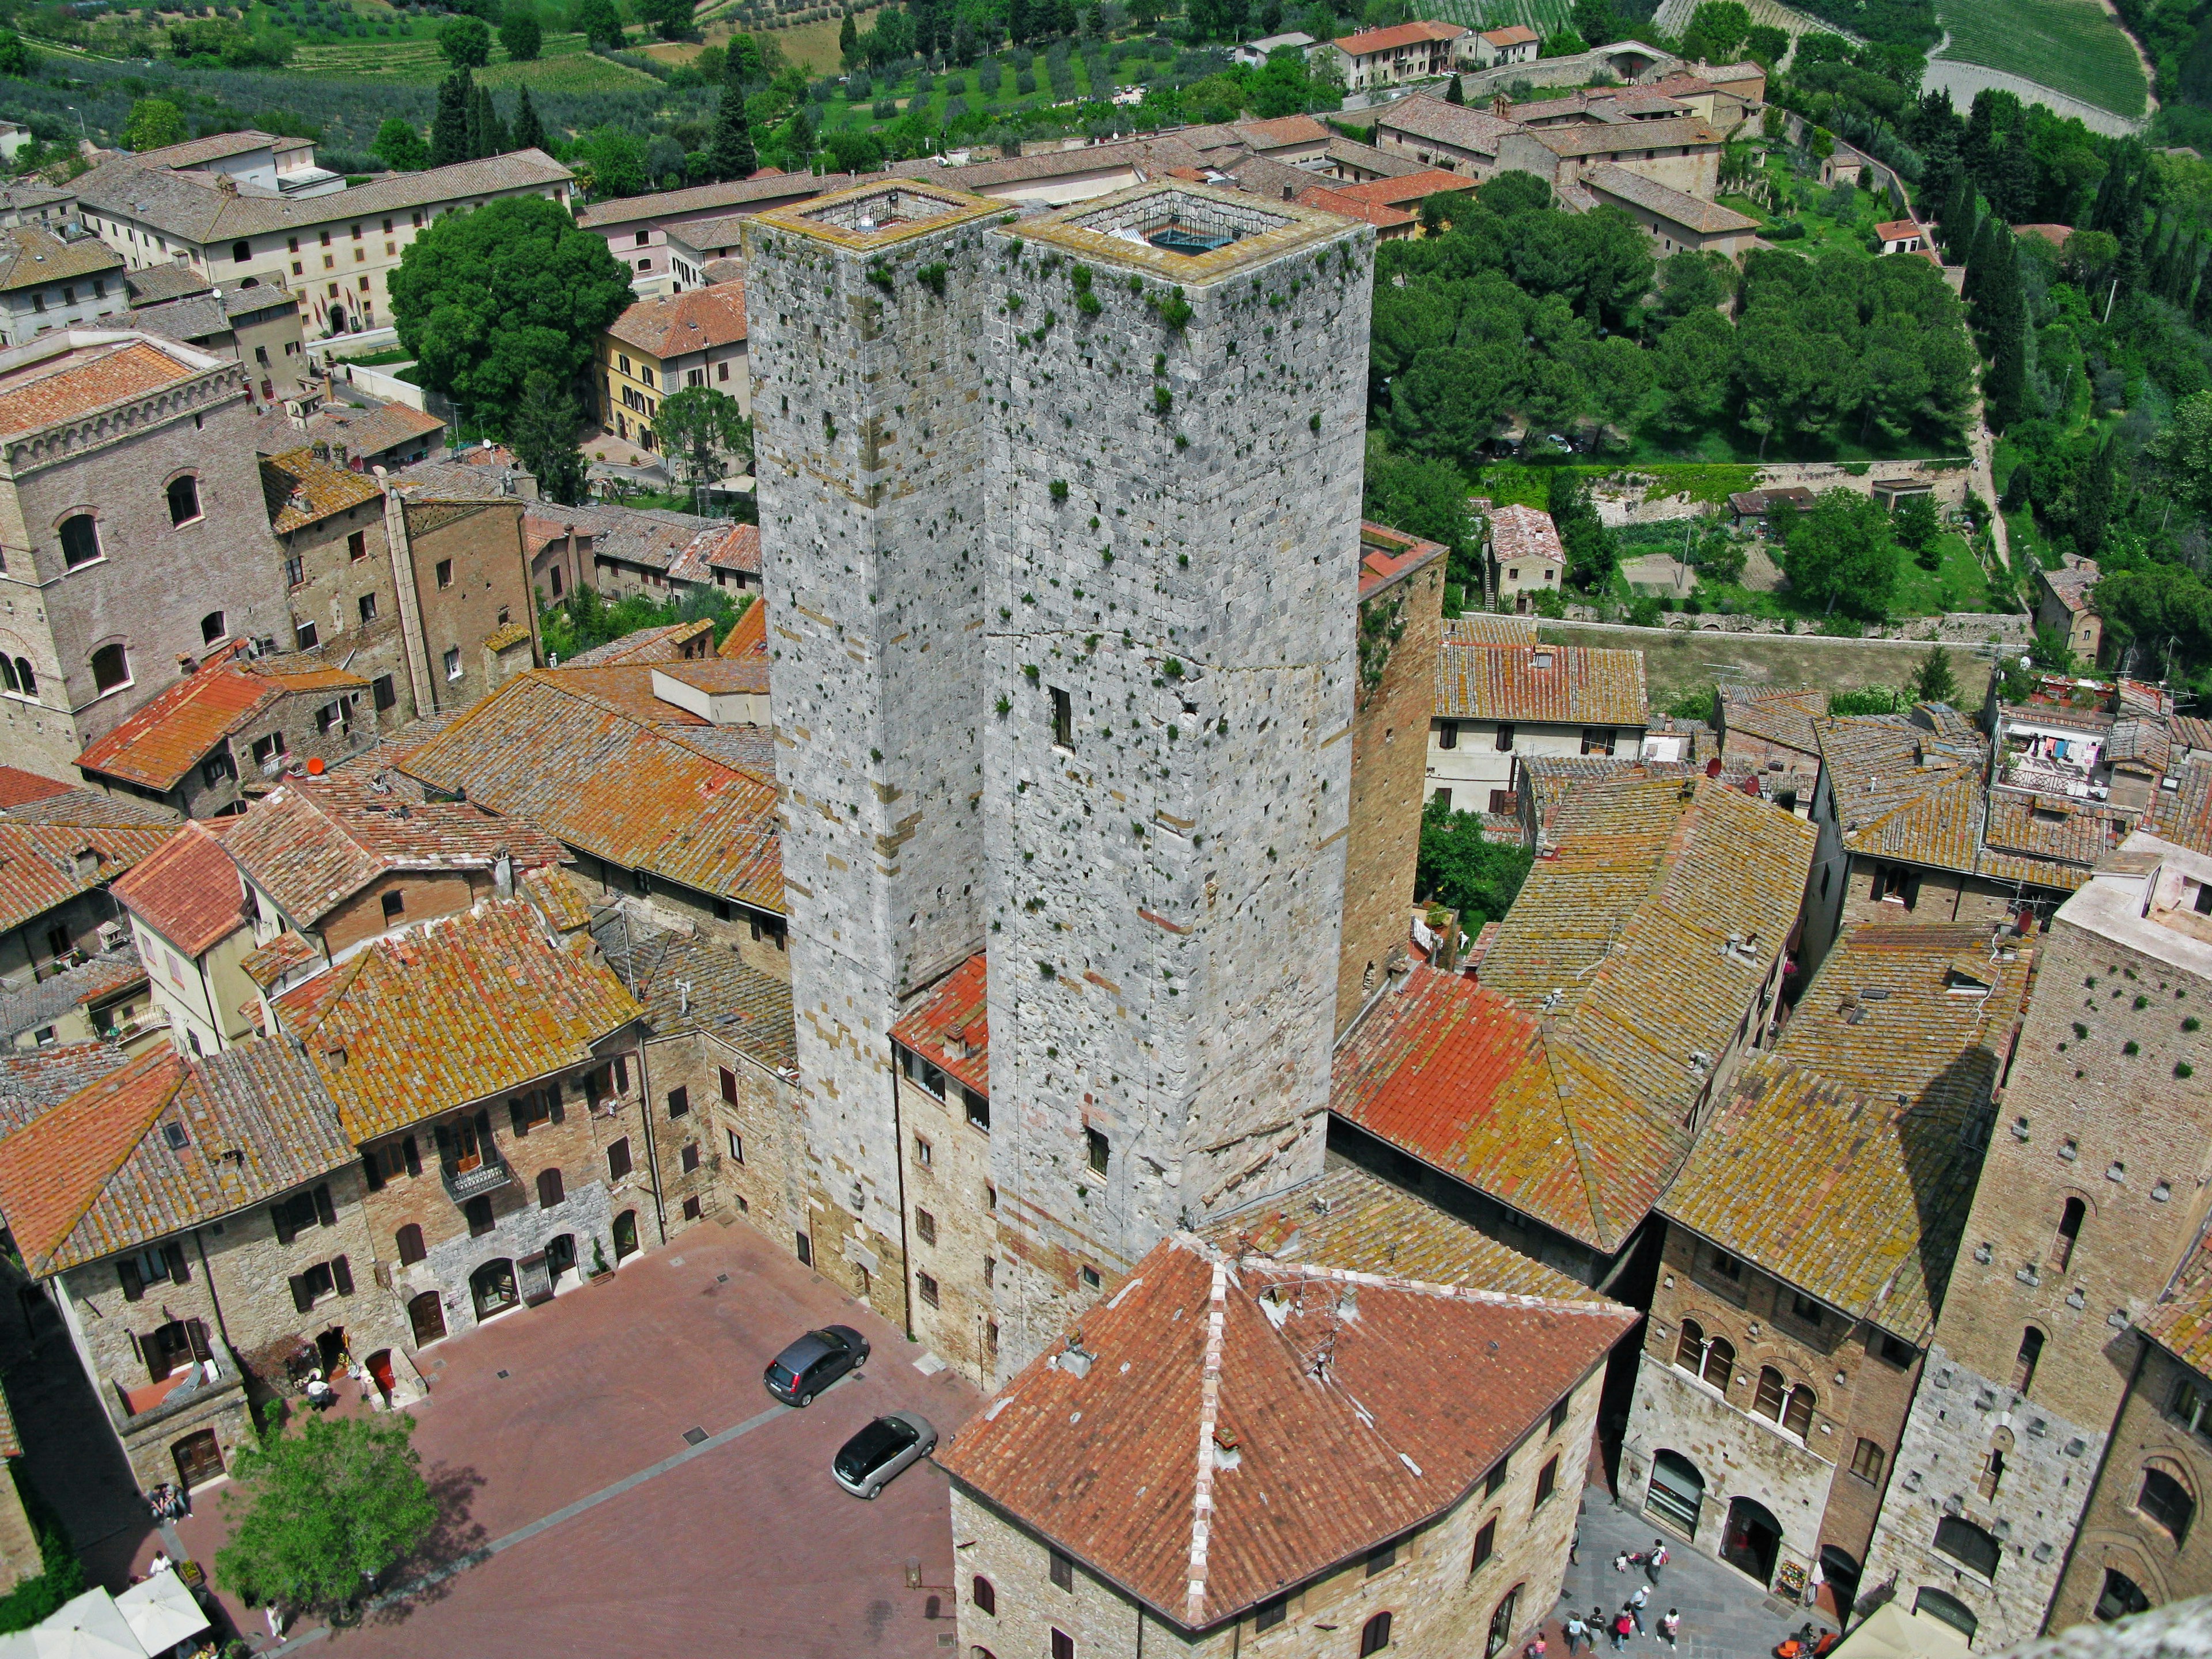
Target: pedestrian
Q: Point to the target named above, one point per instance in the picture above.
(1670, 1626)
(1575, 1548)
(1536, 1649)
(1620, 1562)
(1812, 1584)
(1636, 1607)
(1656, 1559)
(1574, 1631)
(1597, 1623)
(1622, 1629)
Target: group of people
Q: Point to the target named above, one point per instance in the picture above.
(167, 1503)
(1629, 1621)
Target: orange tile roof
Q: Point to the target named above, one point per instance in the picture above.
(1561, 684)
(464, 1009)
(1368, 41)
(40, 866)
(750, 637)
(1385, 554)
(1282, 131)
(188, 891)
(1415, 187)
(80, 382)
(1330, 200)
(952, 1029)
(2181, 1323)
(300, 489)
(1513, 35)
(1782, 714)
(171, 732)
(681, 324)
(270, 963)
(1524, 532)
(623, 783)
(1359, 1406)
(20, 788)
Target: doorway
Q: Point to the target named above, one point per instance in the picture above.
(1841, 1570)
(1677, 1497)
(199, 1459)
(561, 1260)
(625, 1234)
(1752, 1539)
(492, 1288)
(330, 1349)
(428, 1314)
(379, 1373)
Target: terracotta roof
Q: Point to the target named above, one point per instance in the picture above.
(2187, 731)
(624, 784)
(171, 732)
(300, 489)
(188, 891)
(1415, 187)
(1366, 158)
(159, 284)
(1283, 131)
(76, 383)
(1782, 714)
(1840, 1162)
(1606, 139)
(1490, 628)
(693, 983)
(952, 1029)
(1523, 532)
(681, 324)
(1559, 684)
(1898, 230)
(1550, 779)
(101, 1173)
(33, 1081)
(45, 865)
(1386, 555)
(766, 188)
(365, 433)
(1329, 199)
(1370, 41)
(1676, 206)
(268, 964)
(726, 547)
(2054, 234)
(563, 897)
(459, 1011)
(649, 645)
(20, 788)
(31, 257)
(2072, 584)
(312, 844)
(2054, 827)
(2181, 1322)
(750, 637)
(26, 798)
(1359, 1406)
(1514, 35)
(1461, 127)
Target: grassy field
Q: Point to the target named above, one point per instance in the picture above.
(1678, 664)
(565, 66)
(2073, 46)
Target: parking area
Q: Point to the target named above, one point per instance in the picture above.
(590, 1524)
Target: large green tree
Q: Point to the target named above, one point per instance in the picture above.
(1840, 556)
(599, 22)
(704, 432)
(2185, 450)
(731, 153)
(320, 1510)
(399, 147)
(522, 34)
(154, 124)
(529, 132)
(483, 298)
(1461, 867)
(466, 42)
(449, 128)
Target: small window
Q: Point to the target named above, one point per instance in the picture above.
(240, 252)
(690, 1157)
(1270, 1613)
(304, 635)
(551, 1188)
(1381, 1558)
(1690, 1347)
(1804, 1309)
(2070, 1234)
(1547, 1480)
(383, 692)
(2167, 1502)
(978, 1108)
(184, 499)
(1485, 1544)
(1558, 1418)
(211, 628)
(357, 546)
(1767, 1399)
(444, 573)
(729, 1080)
(984, 1596)
(1063, 1571)
(453, 663)
(679, 1103)
(110, 667)
(1375, 1635)
(366, 606)
(1494, 1482)
(2023, 1365)
(395, 905)
(1725, 1266)
(1063, 720)
(1867, 1461)
(1968, 1545)
(737, 1146)
(408, 1241)
(1091, 1281)
(1447, 734)
(990, 1271)
(1720, 1363)
(926, 1287)
(1095, 1149)
(1896, 1350)
(1941, 1604)
(618, 1160)
(1505, 736)
(924, 1153)
(1797, 1411)
(1063, 1645)
(2120, 1596)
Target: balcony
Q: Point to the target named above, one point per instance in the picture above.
(488, 1176)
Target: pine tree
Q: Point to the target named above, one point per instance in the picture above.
(1936, 682)
(1454, 92)
(529, 133)
(2006, 307)
(449, 131)
(478, 139)
(731, 154)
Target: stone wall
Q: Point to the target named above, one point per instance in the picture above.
(950, 1183)
(488, 587)
(868, 376)
(1166, 764)
(422, 894)
(1389, 736)
(684, 1130)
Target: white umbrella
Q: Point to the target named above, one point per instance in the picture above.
(161, 1612)
(90, 1627)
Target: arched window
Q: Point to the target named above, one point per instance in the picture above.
(2070, 1232)
(1797, 1412)
(985, 1598)
(1720, 1362)
(2023, 1366)
(80, 540)
(2167, 1502)
(1766, 1400)
(184, 499)
(1690, 1347)
(1940, 1604)
(2120, 1597)
(549, 1190)
(8, 674)
(1993, 1463)
(211, 628)
(409, 1239)
(25, 681)
(1375, 1635)
(1504, 1623)
(110, 667)
(1968, 1545)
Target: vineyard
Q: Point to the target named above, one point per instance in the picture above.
(2072, 47)
(1547, 17)
(567, 66)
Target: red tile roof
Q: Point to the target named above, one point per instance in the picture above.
(1386, 554)
(1540, 684)
(188, 892)
(1331, 200)
(20, 788)
(685, 323)
(1368, 41)
(951, 1031)
(1359, 1405)
(1513, 35)
(1408, 187)
(162, 740)
(79, 382)
(42, 866)
(750, 637)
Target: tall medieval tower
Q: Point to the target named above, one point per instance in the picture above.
(1171, 537)
(866, 312)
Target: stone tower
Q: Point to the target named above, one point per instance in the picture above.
(866, 314)
(2092, 1191)
(1171, 532)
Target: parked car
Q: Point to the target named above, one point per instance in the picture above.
(814, 1362)
(869, 1462)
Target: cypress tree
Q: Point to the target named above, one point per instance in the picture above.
(2007, 385)
(1981, 255)
(529, 133)
(1955, 219)
(1454, 92)
(496, 143)
(849, 39)
(731, 153)
(479, 139)
(449, 131)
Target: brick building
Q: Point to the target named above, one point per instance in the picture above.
(1376, 1454)
(1499, 702)
(466, 611)
(1809, 1242)
(192, 927)
(2089, 1203)
(1770, 730)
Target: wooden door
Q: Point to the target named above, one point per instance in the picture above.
(429, 1317)
(199, 1458)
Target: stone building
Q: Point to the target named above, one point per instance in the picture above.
(62, 277)
(1808, 1241)
(258, 326)
(1389, 56)
(125, 462)
(1401, 580)
(55, 876)
(2089, 1202)
(1377, 1453)
(2065, 600)
(192, 924)
(328, 524)
(662, 346)
(1500, 701)
(467, 613)
(1770, 730)
(1526, 557)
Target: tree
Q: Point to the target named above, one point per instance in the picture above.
(599, 22)
(1455, 91)
(1840, 555)
(671, 17)
(2185, 450)
(154, 124)
(1564, 44)
(705, 430)
(1691, 366)
(1935, 682)
(1461, 867)
(483, 298)
(466, 43)
(1595, 22)
(1717, 31)
(1591, 555)
(849, 40)
(399, 147)
(1426, 499)
(616, 162)
(544, 437)
(529, 132)
(321, 1510)
(520, 33)
(478, 143)
(1916, 525)
(731, 154)
(449, 128)
(15, 56)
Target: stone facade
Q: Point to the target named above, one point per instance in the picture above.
(1400, 632)
(2035, 1348)
(745, 1118)
(1167, 774)
(870, 368)
(1440, 1600)
(462, 575)
(952, 1224)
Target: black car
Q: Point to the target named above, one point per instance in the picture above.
(868, 1462)
(814, 1362)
